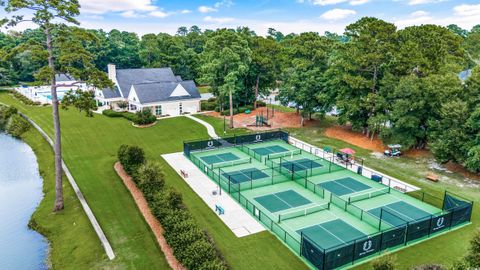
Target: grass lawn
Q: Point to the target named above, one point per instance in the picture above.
(204, 89)
(281, 108)
(89, 149)
(444, 249)
(218, 125)
(67, 250)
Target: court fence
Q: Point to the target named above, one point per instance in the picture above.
(229, 141)
(456, 211)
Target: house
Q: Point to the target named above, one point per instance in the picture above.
(155, 88)
(42, 94)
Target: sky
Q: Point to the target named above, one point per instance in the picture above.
(287, 16)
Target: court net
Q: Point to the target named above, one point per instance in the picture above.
(303, 212)
(285, 154)
(231, 163)
(368, 195)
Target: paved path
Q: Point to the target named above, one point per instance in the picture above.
(210, 129)
(236, 217)
(96, 226)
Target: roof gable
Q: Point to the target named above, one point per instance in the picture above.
(179, 91)
(128, 77)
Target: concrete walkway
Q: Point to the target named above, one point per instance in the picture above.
(210, 129)
(96, 226)
(236, 217)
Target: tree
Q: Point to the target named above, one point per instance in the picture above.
(226, 59)
(71, 58)
(303, 74)
(457, 30)
(358, 70)
(84, 101)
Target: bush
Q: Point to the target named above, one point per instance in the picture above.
(144, 117)
(24, 99)
(261, 103)
(112, 113)
(150, 179)
(429, 267)
(208, 105)
(131, 157)
(17, 125)
(385, 262)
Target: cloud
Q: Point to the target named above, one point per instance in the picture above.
(337, 14)
(333, 2)
(223, 3)
(419, 13)
(421, 2)
(185, 11)
(130, 14)
(160, 14)
(104, 6)
(205, 9)
(467, 10)
(218, 20)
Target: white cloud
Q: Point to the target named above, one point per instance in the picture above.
(467, 10)
(130, 14)
(223, 3)
(419, 13)
(160, 14)
(421, 2)
(104, 6)
(218, 20)
(205, 9)
(337, 14)
(185, 11)
(333, 2)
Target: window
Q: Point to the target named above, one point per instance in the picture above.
(180, 108)
(158, 110)
(133, 107)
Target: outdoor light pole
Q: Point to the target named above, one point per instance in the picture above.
(224, 125)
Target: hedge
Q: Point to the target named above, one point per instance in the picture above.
(143, 117)
(191, 245)
(24, 99)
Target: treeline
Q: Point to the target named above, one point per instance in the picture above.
(399, 84)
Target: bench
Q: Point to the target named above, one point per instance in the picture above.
(184, 173)
(432, 177)
(219, 209)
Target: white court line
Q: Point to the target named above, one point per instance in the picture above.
(320, 225)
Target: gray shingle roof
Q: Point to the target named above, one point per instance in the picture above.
(62, 77)
(128, 77)
(161, 91)
(111, 93)
(179, 78)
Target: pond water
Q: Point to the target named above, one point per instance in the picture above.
(20, 193)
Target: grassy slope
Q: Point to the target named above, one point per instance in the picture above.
(90, 146)
(443, 249)
(218, 125)
(67, 251)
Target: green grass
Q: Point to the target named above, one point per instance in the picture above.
(281, 108)
(89, 149)
(67, 250)
(204, 89)
(218, 125)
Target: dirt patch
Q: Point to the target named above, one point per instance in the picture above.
(455, 167)
(149, 217)
(345, 133)
(144, 126)
(417, 153)
(279, 119)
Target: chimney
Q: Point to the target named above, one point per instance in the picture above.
(112, 72)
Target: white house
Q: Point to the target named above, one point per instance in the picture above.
(155, 88)
(42, 93)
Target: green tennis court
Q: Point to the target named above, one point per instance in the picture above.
(300, 165)
(212, 159)
(399, 213)
(344, 186)
(331, 233)
(245, 175)
(272, 149)
(282, 200)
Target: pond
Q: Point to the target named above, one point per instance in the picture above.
(20, 194)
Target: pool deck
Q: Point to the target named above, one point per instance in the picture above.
(236, 217)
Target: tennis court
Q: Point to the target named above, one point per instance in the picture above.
(300, 165)
(280, 201)
(245, 175)
(344, 186)
(399, 213)
(217, 158)
(332, 233)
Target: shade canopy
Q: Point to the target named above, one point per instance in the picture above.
(348, 151)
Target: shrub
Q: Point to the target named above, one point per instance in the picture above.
(24, 99)
(429, 267)
(122, 105)
(17, 125)
(208, 105)
(385, 262)
(144, 117)
(112, 113)
(261, 103)
(174, 199)
(131, 157)
(150, 179)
